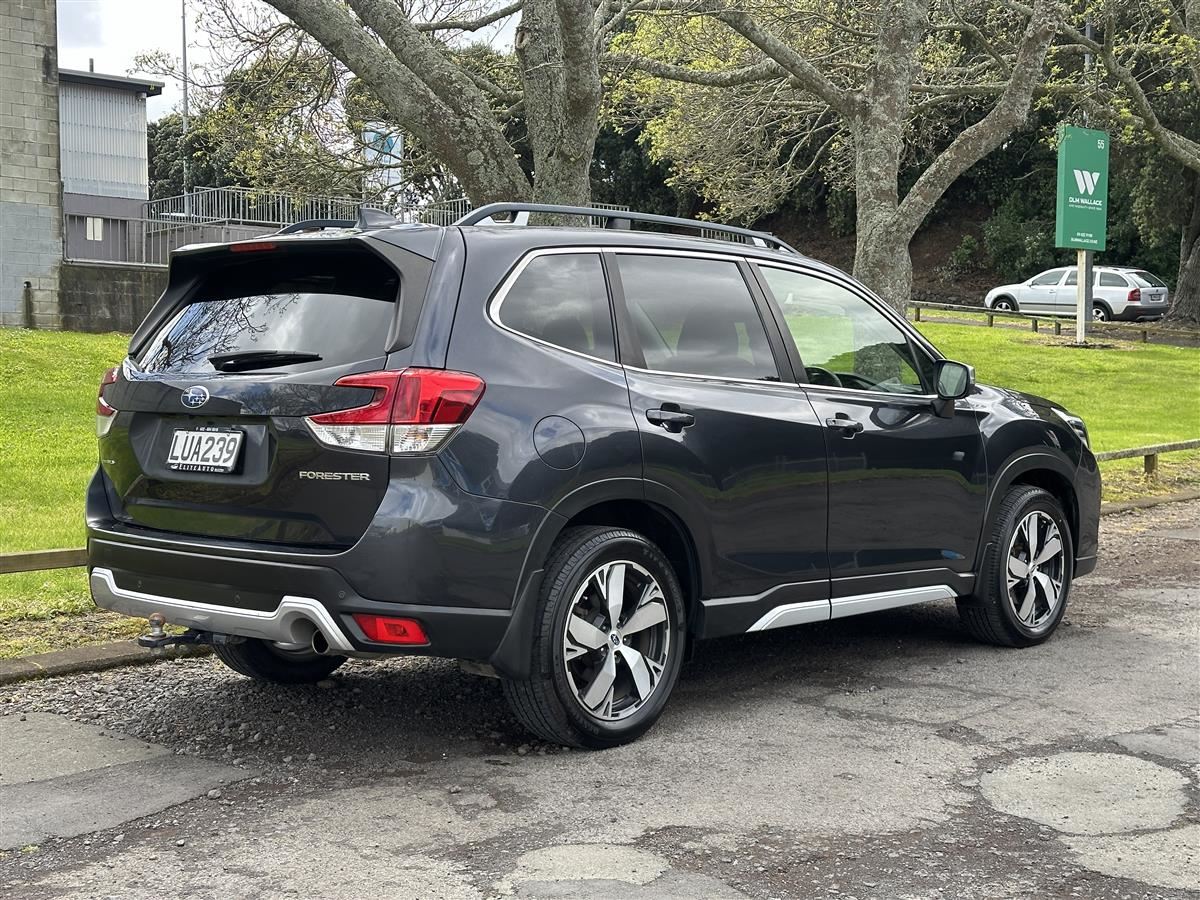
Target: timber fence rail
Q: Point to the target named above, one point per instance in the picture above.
(1123, 330)
(46, 560)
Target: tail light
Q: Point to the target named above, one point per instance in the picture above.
(412, 411)
(1135, 296)
(391, 629)
(104, 410)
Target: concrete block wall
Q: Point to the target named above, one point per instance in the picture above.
(30, 181)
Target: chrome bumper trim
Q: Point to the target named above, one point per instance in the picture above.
(289, 623)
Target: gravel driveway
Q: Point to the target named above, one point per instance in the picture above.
(886, 756)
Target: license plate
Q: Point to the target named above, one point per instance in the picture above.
(205, 450)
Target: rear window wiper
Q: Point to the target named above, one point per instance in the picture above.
(260, 359)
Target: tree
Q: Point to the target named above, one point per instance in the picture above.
(210, 163)
(894, 67)
(404, 54)
(1151, 55)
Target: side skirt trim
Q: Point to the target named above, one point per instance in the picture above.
(843, 607)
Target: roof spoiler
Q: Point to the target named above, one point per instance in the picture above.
(368, 217)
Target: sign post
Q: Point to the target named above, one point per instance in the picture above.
(1082, 209)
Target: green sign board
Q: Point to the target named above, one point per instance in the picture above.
(1082, 211)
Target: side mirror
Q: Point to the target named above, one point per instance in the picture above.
(953, 380)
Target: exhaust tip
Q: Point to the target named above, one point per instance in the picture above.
(319, 644)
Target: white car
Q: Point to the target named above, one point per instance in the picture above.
(1117, 293)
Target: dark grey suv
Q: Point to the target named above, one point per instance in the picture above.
(562, 454)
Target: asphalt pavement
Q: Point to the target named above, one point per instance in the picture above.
(882, 757)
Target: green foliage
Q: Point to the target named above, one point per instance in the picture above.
(1020, 238)
(964, 259)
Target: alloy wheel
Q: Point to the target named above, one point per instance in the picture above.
(1099, 314)
(1003, 305)
(1036, 568)
(616, 640)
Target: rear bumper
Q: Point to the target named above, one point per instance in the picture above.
(273, 601)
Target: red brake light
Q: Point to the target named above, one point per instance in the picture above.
(410, 397)
(1135, 296)
(411, 411)
(251, 246)
(109, 377)
(391, 629)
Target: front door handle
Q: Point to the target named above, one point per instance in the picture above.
(847, 426)
(673, 420)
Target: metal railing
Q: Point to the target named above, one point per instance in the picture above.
(143, 241)
(250, 206)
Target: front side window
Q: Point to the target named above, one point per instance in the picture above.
(1048, 279)
(562, 299)
(1112, 279)
(842, 339)
(1072, 278)
(695, 316)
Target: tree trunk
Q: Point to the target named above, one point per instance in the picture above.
(560, 75)
(1185, 305)
(882, 262)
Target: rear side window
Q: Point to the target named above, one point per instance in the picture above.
(335, 306)
(1112, 279)
(562, 299)
(695, 316)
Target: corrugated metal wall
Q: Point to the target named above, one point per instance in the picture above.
(103, 141)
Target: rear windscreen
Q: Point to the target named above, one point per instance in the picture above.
(331, 307)
(1145, 279)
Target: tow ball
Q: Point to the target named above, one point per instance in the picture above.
(158, 638)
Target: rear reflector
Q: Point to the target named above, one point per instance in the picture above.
(391, 629)
(105, 411)
(411, 411)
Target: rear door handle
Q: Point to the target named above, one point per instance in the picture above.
(848, 427)
(672, 420)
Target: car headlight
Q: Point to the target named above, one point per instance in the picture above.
(1077, 425)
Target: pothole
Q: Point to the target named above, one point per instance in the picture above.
(1088, 793)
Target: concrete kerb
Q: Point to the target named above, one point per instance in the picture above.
(88, 658)
(96, 657)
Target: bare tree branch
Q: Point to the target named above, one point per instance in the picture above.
(472, 24)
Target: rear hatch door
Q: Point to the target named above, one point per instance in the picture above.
(210, 437)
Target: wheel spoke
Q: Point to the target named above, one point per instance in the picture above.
(614, 592)
(585, 634)
(1050, 549)
(638, 668)
(602, 685)
(1049, 588)
(1017, 568)
(644, 616)
(1028, 603)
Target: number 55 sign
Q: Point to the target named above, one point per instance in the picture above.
(1082, 210)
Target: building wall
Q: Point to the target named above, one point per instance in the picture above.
(30, 185)
(106, 297)
(103, 136)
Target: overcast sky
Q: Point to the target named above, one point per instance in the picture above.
(113, 32)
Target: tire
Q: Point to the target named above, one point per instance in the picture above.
(593, 685)
(1005, 304)
(1101, 313)
(262, 661)
(1002, 612)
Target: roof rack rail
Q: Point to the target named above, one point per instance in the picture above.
(621, 219)
(368, 217)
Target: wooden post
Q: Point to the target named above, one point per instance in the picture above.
(1150, 464)
(1034, 323)
(1057, 327)
(1145, 336)
(916, 313)
(991, 321)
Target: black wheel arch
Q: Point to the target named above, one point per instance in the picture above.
(1052, 472)
(616, 502)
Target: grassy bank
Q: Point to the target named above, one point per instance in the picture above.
(1130, 394)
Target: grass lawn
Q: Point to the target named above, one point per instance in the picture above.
(1131, 394)
(48, 384)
